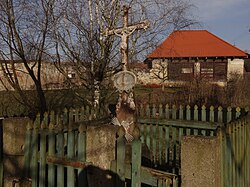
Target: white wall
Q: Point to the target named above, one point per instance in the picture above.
(235, 66)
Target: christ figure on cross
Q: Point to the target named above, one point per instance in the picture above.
(124, 32)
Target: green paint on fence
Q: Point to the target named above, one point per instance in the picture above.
(51, 151)
(136, 160)
(1, 155)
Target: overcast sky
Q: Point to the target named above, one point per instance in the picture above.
(228, 19)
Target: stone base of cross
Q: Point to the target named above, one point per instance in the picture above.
(125, 81)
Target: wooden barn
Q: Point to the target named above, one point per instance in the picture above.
(197, 53)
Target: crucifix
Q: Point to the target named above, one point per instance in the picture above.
(124, 32)
(125, 80)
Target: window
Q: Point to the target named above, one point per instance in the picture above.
(207, 72)
(186, 70)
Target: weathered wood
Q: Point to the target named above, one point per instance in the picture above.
(196, 114)
(42, 159)
(229, 114)
(82, 175)
(60, 153)
(174, 111)
(167, 144)
(211, 117)
(181, 123)
(1, 156)
(34, 159)
(203, 113)
(70, 150)
(28, 149)
(167, 113)
(149, 176)
(181, 115)
(64, 161)
(51, 151)
(136, 162)
(188, 117)
(235, 162)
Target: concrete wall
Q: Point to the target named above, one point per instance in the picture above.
(13, 150)
(200, 161)
(101, 142)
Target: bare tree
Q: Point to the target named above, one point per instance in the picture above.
(80, 40)
(72, 30)
(25, 27)
(160, 72)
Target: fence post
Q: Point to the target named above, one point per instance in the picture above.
(223, 157)
(42, 157)
(60, 153)
(136, 159)
(70, 149)
(82, 174)
(27, 149)
(34, 157)
(51, 151)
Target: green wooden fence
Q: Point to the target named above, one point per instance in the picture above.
(132, 168)
(235, 148)
(52, 148)
(161, 129)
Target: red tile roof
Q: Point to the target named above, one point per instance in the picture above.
(195, 43)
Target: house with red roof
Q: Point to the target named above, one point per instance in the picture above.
(197, 53)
